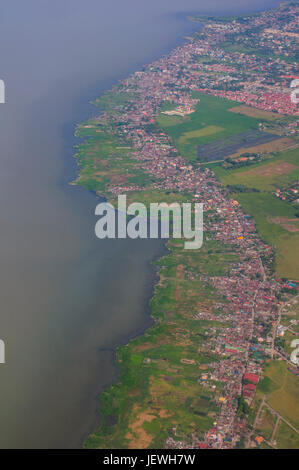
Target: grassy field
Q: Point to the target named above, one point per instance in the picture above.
(104, 159)
(286, 438)
(265, 208)
(281, 389)
(110, 100)
(266, 425)
(254, 112)
(154, 196)
(208, 130)
(159, 393)
(212, 120)
(279, 170)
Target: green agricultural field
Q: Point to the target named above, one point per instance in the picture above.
(277, 171)
(104, 159)
(266, 426)
(272, 217)
(168, 121)
(110, 100)
(281, 389)
(211, 121)
(286, 437)
(237, 47)
(157, 196)
(208, 130)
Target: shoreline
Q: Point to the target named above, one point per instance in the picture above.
(125, 340)
(128, 355)
(73, 166)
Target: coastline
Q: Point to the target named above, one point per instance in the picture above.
(124, 341)
(74, 167)
(129, 355)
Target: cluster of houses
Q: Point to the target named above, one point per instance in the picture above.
(252, 308)
(264, 64)
(267, 101)
(290, 194)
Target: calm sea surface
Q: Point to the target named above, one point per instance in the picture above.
(67, 298)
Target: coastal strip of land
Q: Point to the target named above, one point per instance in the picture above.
(175, 132)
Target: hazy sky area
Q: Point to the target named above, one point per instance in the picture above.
(65, 295)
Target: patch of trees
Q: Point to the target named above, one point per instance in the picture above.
(240, 188)
(231, 163)
(243, 407)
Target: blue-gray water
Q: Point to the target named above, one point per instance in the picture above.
(64, 295)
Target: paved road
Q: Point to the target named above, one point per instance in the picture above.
(275, 429)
